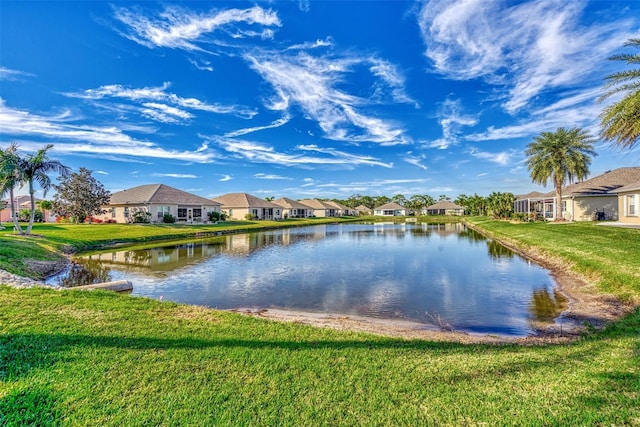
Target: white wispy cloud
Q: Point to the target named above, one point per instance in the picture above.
(275, 124)
(452, 120)
(415, 160)
(312, 45)
(9, 74)
(261, 153)
(226, 178)
(76, 138)
(159, 104)
(312, 84)
(503, 158)
(270, 176)
(175, 175)
(525, 47)
(178, 28)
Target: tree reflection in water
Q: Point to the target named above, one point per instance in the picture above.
(85, 272)
(545, 307)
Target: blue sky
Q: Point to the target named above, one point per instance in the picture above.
(306, 99)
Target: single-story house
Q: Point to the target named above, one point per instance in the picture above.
(20, 203)
(443, 207)
(342, 209)
(629, 203)
(363, 210)
(390, 209)
(240, 205)
(293, 209)
(596, 198)
(321, 209)
(158, 200)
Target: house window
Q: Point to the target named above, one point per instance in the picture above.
(113, 213)
(163, 210)
(182, 213)
(197, 213)
(254, 213)
(126, 211)
(631, 202)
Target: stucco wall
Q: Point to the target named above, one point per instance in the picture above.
(585, 208)
(621, 208)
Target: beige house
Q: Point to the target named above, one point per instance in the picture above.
(390, 209)
(342, 209)
(241, 205)
(321, 209)
(443, 207)
(363, 210)
(629, 204)
(20, 203)
(596, 198)
(158, 200)
(293, 209)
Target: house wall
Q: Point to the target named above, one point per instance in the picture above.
(585, 208)
(240, 213)
(623, 208)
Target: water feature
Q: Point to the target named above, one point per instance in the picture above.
(443, 274)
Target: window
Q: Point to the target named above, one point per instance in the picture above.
(182, 213)
(197, 213)
(631, 205)
(113, 213)
(163, 210)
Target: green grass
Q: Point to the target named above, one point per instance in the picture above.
(97, 358)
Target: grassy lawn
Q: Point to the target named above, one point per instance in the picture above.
(98, 358)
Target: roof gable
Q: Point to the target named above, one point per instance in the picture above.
(445, 204)
(289, 203)
(157, 194)
(390, 206)
(243, 200)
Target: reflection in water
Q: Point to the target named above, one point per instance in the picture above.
(416, 272)
(546, 306)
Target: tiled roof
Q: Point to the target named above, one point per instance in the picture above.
(631, 187)
(157, 194)
(290, 204)
(243, 200)
(316, 204)
(444, 204)
(607, 183)
(389, 206)
(362, 208)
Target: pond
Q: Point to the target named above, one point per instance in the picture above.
(434, 274)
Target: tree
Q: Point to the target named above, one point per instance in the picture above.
(10, 177)
(45, 205)
(80, 195)
(621, 121)
(500, 204)
(560, 156)
(36, 168)
(444, 197)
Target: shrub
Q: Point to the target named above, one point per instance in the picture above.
(168, 218)
(142, 217)
(216, 216)
(248, 217)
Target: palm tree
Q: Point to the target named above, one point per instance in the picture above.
(621, 120)
(35, 168)
(10, 177)
(560, 156)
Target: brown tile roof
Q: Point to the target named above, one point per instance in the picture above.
(607, 183)
(532, 195)
(631, 187)
(316, 204)
(243, 200)
(157, 194)
(389, 206)
(290, 204)
(446, 205)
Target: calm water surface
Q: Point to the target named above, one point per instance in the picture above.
(442, 274)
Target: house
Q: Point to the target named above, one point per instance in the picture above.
(363, 210)
(158, 200)
(629, 203)
(596, 198)
(390, 209)
(321, 209)
(241, 205)
(342, 209)
(20, 203)
(443, 207)
(293, 209)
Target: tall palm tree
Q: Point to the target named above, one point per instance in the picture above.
(10, 177)
(621, 120)
(560, 156)
(35, 168)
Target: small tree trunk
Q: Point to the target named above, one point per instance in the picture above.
(559, 216)
(13, 212)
